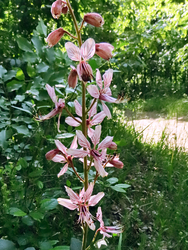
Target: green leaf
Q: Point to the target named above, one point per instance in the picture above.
(65, 135)
(10, 75)
(21, 129)
(118, 189)
(45, 245)
(75, 244)
(37, 43)
(27, 220)
(36, 215)
(22, 162)
(112, 180)
(61, 248)
(16, 212)
(42, 67)
(49, 204)
(30, 248)
(40, 184)
(31, 71)
(2, 71)
(42, 28)
(20, 75)
(24, 110)
(7, 245)
(24, 44)
(14, 85)
(122, 185)
(36, 173)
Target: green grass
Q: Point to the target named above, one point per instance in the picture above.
(154, 209)
(168, 106)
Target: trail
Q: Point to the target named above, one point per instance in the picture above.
(153, 127)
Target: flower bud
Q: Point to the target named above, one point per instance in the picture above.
(113, 146)
(84, 71)
(117, 163)
(64, 9)
(104, 50)
(56, 9)
(50, 155)
(94, 19)
(73, 78)
(54, 37)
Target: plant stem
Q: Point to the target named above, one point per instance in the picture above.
(71, 114)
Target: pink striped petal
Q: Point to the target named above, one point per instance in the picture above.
(49, 115)
(96, 136)
(106, 110)
(100, 168)
(93, 110)
(98, 118)
(77, 152)
(88, 49)
(99, 79)
(99, 215)
(59, 158)
(73, 51)
(107, 98)
(88, 193)
(82, 140)
(51, 93)
(70, 121)
(107, 77)
(93, 90)
(108, 91)
(78, 108)
(67, 203)
(105, 143)
(63, 170)
(60, 146)
(95, 199)
(73, 196)
(90, 132)
(74, 144)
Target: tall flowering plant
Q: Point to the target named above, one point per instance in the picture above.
(92, 151)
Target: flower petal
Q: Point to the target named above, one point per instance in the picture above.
(98, 118)
(106, 110)
(82, 140)
(78, 108)
(99, 168)
(90, 132)
(74, 144)
(93, 110)
(88, 49)
(70, 121)
(63, 170)
(49, 115)
(105, 143)
(96, 136)
(95, 199)
(51, 93)
(88, 192)
(107, 77)
(60, 146)
(107, 98)
(77, 152)
(59, 158)
(67, 203)
(73, 51)
(99, 79)
(93, 90)
(73, 196)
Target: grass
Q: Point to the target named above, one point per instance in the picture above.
(168, 106)
(154, 209)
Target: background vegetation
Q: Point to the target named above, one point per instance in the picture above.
(150, 58)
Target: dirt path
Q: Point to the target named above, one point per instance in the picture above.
(153, 126)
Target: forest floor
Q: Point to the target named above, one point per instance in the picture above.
(153, 126)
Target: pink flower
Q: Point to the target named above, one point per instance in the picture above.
(82, 202)
(63, 157)
(115, 162)
(96, 154)
(103, 94)
(104, 50)
(94, 19)
(105, 229)
(86, 51)
(59, 105)
(54, 37)
(73, 79)
(92, 120)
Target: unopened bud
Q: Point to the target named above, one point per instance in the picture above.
(117, 163)
(113, 146)
(94, 19)
(104, 50)
(64, 9)
(56, 9)
(50, 155)
(84, 71)
(73, 78)
(54, 37)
